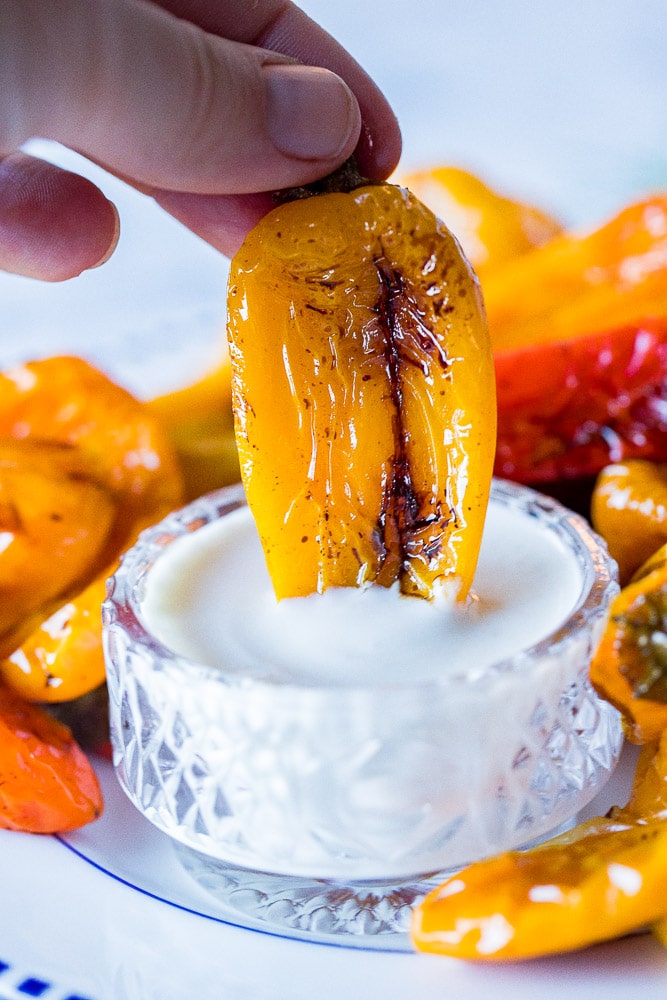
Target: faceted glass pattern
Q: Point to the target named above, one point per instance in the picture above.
(356, 784)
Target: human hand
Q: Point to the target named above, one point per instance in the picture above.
(207, 105)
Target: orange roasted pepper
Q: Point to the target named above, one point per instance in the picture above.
(364, 394)
(491, 227)
(68, 402)
(579, 329)
(629, 668)
(580, 284)
(83, 467)
(62, 658)
(605, 878)
(629, 510)
(47, 784)
(55, 522)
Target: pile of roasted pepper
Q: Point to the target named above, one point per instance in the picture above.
(83, 468)
(578, 328)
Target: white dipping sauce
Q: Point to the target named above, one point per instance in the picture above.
(209, 598)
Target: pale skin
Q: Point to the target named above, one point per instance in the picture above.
(207, 105)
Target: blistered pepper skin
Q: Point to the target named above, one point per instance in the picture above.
(579, 329)
(605, 878)
(363, 392)
(47, 784)
(566, 409)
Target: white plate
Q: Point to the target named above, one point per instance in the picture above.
(559, 103)
(108, 914)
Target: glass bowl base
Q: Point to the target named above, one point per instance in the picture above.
(319, 907)
(364, 911)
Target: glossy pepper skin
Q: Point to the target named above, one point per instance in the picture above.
(629, 668)
(629, 510)
(62, 658)
(579, 329)
(83, 467)
(55, 522)
(47, 784)
(566, 409)
(583, 283)
(363, 392)
(605, 878)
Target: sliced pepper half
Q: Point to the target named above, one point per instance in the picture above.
(364, 394)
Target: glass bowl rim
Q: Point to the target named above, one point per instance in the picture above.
(121, 605)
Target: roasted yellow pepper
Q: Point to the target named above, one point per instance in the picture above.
(62, 658)
(491, 227)
(629, 510)
(69, 403)
(605, 878)
(198, 419)
(364, 394)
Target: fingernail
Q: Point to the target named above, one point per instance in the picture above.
(311, 113)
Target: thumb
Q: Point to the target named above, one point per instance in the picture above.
(165, 104)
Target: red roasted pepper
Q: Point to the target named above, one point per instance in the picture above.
(568, 408)
(579, 330)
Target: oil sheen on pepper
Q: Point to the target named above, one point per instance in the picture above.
(364, 394)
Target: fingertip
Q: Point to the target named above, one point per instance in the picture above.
(378, 153)
(54, 224)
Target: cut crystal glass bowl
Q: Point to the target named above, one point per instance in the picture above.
(333, 807)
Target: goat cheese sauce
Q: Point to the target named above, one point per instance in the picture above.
(209, 598)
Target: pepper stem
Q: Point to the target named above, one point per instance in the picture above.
(343, 180)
